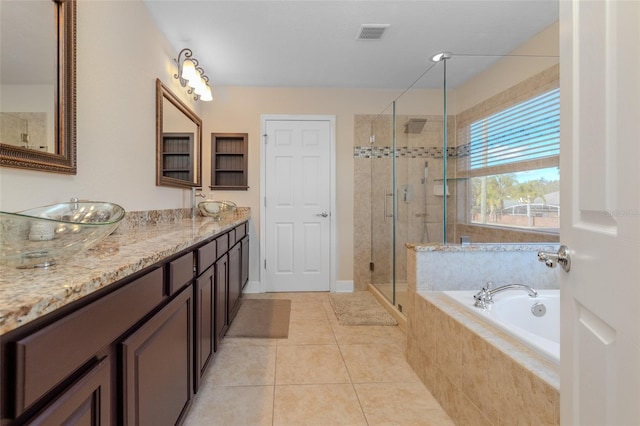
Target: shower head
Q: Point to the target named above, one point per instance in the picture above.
(415, 125)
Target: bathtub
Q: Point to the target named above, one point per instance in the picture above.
(511, 312)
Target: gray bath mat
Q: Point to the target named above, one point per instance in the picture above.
(359, 308)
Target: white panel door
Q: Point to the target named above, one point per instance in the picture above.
(600, 159)
(298, 205)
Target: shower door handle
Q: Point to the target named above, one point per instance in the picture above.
(386, 204)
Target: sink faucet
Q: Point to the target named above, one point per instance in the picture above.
(194, 194)
(484, 297)
(74, 203)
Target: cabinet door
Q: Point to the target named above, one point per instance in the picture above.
(86, 402)
(157, 366)
(44, 359)
(235, 283)
(204, 295)
(244, 272)
(221, 298)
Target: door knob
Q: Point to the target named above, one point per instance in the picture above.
(323, 214)
(552, 259)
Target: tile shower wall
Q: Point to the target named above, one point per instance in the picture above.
(373, 181)
(25, 129)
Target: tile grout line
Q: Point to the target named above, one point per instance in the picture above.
(353, 386)
(275, 374)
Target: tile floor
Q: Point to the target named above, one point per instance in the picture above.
(322, 374)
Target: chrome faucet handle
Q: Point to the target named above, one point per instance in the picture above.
(487, 289)
(483, 297)
(552, 259)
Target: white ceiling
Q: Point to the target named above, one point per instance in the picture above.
(300, 43)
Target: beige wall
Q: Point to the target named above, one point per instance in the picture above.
(238, 110)
(116, 72)
(510, 71)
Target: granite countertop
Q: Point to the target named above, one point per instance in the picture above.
(27, 294)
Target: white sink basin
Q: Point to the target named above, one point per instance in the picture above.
(217, 209)
(43, 236)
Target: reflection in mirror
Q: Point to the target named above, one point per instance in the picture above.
(178, 141)
(37, 108)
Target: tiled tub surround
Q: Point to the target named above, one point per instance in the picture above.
(143, 239)
(438, 267)
(479, 375)
(513, 313)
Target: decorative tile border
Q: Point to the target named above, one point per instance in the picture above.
(413, 152)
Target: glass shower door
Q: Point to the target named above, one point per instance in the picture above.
(382, 206)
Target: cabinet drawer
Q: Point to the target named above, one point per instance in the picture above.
(45, 358)
(241, 231)
(207, 256)
(180, 272)
(223, 245)
(232, 237)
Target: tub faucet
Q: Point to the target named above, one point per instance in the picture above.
(484, 297)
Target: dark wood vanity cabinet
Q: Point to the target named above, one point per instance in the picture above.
(244, 272)
(40, 359)
(222, 264)
(235, 284)
(204, 323)
(220, 321)
(157, 366)
(86, 402)
(132, 353)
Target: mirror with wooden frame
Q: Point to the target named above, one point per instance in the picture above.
(38, 109)
(178, 141)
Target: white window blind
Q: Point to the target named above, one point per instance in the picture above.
(527, 131)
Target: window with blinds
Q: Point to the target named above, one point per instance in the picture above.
(513, 165)
(525, 132)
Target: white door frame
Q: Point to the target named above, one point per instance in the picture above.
(332, 189)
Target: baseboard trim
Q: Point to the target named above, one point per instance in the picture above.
(344, 286)
(252, 287)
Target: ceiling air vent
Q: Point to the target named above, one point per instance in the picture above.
(371, 31)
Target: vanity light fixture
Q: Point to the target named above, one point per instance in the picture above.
(192, 75)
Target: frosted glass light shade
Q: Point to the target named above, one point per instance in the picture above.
(206, 95)
(200, 87)
(189, 71)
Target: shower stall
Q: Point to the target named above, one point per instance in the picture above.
(413, 184)
(406, 201)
